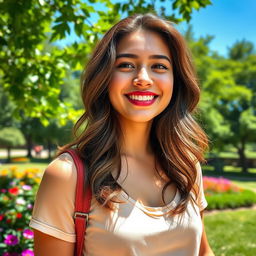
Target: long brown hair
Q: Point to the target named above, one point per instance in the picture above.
(177, 140)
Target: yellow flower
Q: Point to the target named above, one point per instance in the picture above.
(18, 175)
(4, 172)
(6, 198)
(37, 180)
(30, 175)
(13, 168)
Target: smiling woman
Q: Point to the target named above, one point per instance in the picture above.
(141, 147)
(142, 81)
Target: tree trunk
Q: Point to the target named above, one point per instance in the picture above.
(29, 145)
(242, 158)
(8, 154)
(49, 149)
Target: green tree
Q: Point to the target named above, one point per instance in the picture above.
(6, 109)
(228, 97)
(241, 50)
(11, 137)
(33, 76)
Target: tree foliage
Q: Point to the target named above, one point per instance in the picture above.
(228, 104)
(32, 75)
(11, 137)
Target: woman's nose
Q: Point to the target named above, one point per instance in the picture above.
(142, 78)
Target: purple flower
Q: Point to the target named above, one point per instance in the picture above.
(27, 252)
(29, 206)
(11, 240)
(27, 233)
(12, 183)
(26, 187)
(10, 254)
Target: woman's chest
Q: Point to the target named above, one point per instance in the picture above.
(133, 228)
(145, 184)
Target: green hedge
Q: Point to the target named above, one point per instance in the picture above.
(233, 200)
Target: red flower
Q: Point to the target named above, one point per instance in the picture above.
(18, 215)
(1, 217)
(14, 191)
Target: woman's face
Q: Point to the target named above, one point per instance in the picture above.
(142, 82)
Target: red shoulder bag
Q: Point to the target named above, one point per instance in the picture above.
(82, 202)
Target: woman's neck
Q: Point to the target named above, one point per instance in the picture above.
(135, 139)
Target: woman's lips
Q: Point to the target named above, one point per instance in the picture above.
(142, 98)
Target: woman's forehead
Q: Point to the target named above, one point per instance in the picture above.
(143, 41)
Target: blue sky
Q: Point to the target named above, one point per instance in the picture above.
(227, 20)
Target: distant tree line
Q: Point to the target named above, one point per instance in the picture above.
(39, 80)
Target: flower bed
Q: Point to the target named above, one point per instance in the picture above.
(17, 192)
(221, 193)
(16, 203)
(20, 160)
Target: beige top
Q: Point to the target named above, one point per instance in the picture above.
(132, 229)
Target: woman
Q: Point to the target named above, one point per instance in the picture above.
(142, 149)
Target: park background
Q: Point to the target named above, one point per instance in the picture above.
(44, 47)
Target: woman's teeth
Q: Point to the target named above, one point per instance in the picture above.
(141, 98)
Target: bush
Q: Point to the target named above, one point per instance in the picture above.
(20, 160)
(221, 193)
(244, 198)
(16, 203)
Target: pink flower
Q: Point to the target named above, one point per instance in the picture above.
(3, 190)
(27, 233)
(29, 206)
(219, 185)
(1, 217)
(20, 201)
(26, 187)
(27, 252)
(11, 240)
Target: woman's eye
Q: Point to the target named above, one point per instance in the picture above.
(125, 66)
(159, 66)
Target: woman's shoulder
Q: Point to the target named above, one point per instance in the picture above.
(60, 175)
(53, 210)
(62, 167)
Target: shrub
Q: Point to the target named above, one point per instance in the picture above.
(16, 203)
(221, 193)
(20, 160)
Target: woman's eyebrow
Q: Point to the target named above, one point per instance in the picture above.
(134, 56)
(160, 57)
(127, 55)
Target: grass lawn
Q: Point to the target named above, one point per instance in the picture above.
(232, 233)
(246, 184)
(23, 166)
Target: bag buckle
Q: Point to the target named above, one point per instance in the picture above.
(81, 215)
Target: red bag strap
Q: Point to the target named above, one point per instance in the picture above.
(82, 202)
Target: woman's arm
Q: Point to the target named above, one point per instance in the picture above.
(52, 218)
(205, 249)
(51, 246)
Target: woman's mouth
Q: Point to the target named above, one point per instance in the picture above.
(142, 98)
